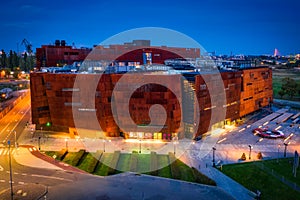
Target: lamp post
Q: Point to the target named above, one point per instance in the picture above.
(250, 148)
(42, 132)
(214, 163)
(104, 141)
(140, 151)
(66, 140)
(174, 144)
(16, 145)
(104, 145)
(39, 143)
(278, 153)
(10, 172)
(285, 147)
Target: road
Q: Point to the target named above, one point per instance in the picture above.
(13, 123)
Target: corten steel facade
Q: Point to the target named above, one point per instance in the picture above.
(137, 51)
(256, 89)
(51, 96)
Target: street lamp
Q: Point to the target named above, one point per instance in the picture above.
(39, 143)
(140, 151)
(250, 147)
(285, 147)
(16, 145)
(174, 144)
(66, 140)
(214, 163)
(104, 141)
(278, 153)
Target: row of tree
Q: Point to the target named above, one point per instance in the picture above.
(289, 87)
(12, 61)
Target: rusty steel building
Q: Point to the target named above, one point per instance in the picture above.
(54, 97)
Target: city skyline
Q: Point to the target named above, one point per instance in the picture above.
(224, 27)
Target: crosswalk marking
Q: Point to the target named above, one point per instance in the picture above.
(5, 151)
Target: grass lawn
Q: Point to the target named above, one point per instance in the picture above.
(277, 77)
(69, 157)
(102, 169)
(139, 163)
(254, 178)
(124, 161)
(143, 163)
(284, 167)
(88, 160)
(163, 166)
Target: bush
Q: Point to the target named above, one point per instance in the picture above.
(259, 156)
(78, 157)
(243, 156)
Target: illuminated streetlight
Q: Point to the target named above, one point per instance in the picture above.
(214, 164)
(250, 147)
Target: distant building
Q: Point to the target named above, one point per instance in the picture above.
(60, 54)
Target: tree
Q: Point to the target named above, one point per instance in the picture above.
(10, 60)
(3, 59)
(289, 86)
(281, 93)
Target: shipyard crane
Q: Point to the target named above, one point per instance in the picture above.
(27, 45)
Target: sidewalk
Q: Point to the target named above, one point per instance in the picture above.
(227, 184)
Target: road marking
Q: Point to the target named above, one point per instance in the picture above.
(4, 128)
(1, 168)
(51, 177)
(21, 183)
(1, 151)
(19, 192)
(11, 182)
(24, 194)
(16, 173)
(24, 174)
(2, 181)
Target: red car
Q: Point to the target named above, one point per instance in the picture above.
(265, 133)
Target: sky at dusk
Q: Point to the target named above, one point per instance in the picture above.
(225, 26)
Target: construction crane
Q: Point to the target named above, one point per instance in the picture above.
(27, 46)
